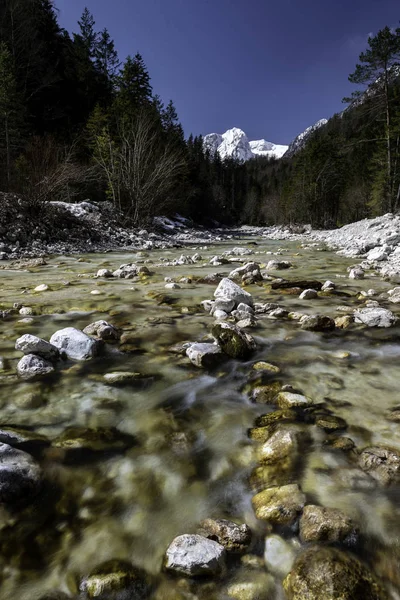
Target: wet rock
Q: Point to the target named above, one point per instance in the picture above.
(328, 286)
(254, 586)
(330, 423)
(266, 394)
(195, 555)
(375, 317)
(276, 417)
(23, 439)
(317, 323)
(20, 475)
(246, 323)
(323, 573)
(279, 555)
(292, 400)
(234, 538)
(32, 366)
(228, 289)
(278, 265)
(266, 367)
(30, 344)
(26, 311)
(283, 284)
(280, 445)
(130, 270)
(344, 322)
(217, 261)
(172, 286)
(341, 443)
(234, 342)
(121, 378)
(319, 524)
(103, 330)
(308, 295)
(266, 308)
(356, 273)
(224, 304)
(205, 355)
(249, 271)
(381, 463)
(116, 580)
(279, 505)
(77, 442)
(104, 273)
(75, 344)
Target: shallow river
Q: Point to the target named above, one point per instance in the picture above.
(192, 457)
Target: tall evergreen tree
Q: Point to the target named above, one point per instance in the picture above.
(377, 69)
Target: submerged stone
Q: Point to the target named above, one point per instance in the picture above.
(280, 445)
(317, 323)
(254, 586)
(77, 441)
(235, 538)
(320, 524)
(279, 554)
(323, 573)
(195, 555)
(116, 580)
(20, 475)
(279, 505)
(381, 463)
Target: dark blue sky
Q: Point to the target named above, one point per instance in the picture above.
(270, 67)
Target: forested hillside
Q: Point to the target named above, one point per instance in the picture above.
(77, 121)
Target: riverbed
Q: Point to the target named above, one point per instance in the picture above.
(192, 457)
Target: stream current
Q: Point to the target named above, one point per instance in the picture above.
(193, 457)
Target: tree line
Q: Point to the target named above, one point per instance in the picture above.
(77, 122)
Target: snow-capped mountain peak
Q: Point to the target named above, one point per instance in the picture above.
(234, 143)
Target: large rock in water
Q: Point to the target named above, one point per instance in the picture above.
(116, 580)
(317, 323)
(230, 290)
(103, 330)
(375, 317)
(30, 344)
(279, 505)
(322, 573)
(233, 341)
(20, 475)
(74, 343)
(32, 366)
(195, 555)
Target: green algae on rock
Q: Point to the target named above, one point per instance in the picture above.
(279, 505)
(116, 580)
(234, 342)
(323, 573)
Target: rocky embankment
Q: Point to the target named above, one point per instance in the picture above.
(376, 242)
(62, 228)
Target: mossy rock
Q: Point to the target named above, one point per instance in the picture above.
(276, 417)
(77, 442)
(322, 573)
(116, 580)
(266, 394)
(234, 342)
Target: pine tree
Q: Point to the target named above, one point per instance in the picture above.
(377, 68)
(87, 35)
(106, 56)
(10, 111)
(134, 91)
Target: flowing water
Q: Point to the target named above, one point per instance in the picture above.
(192, 458)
